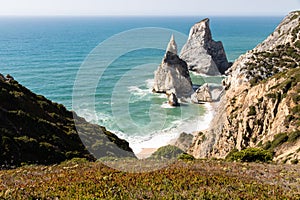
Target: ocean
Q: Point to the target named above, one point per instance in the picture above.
(46, 54)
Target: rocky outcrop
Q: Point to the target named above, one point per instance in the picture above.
(172, 99)
(7, 78)
(183, 142)
(260, 107)
(202, 54)
(202, 94)
(208, 93)
(172, 74)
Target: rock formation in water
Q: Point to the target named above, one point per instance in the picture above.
(172, 74)
(34, 130)
(202, 94)
(261, 104)
(172, 99)
(202, 54)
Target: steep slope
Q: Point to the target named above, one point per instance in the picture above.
(260, 107)
(36, 130)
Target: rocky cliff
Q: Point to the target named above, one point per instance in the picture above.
(202, 53)
(35, 130)
(261, 105)
(172, 75)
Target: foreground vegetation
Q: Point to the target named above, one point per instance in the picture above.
(199, 179)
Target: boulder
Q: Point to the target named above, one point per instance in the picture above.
(202, 94)
(172, 99)
(2, 78)
(173, 74)
(202, 54)
(9, 78)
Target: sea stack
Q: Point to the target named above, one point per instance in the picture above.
(202, 94)
(172, 75)
(172, 99)
(202, 54)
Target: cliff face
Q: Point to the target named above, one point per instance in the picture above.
(202, 53)
(36, 130)
(261, 105)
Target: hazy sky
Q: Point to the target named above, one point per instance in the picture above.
(148, 7)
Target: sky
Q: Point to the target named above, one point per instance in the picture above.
(149, 7)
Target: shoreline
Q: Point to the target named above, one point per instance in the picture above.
(146, 148)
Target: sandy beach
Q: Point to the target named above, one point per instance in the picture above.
(145, 153)
(147, 147)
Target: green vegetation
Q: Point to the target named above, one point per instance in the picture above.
(278, 140)
(199, 179)
(254, 81)
(250, 155)
(278, 60)
(167, 152)
(36, 130)
(296, 109)
(282, 138)
(252, 111)
(294, 136)
(185, 156)
(295, 161)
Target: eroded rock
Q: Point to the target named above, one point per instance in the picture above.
(202, 54)
(202, 94)
(172, 74)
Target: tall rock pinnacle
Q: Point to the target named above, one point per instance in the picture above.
(172, 46)
(172, 75)
(202, 53)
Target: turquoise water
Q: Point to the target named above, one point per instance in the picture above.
(45, 54)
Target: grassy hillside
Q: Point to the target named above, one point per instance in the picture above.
(35, 130)
(200, 179)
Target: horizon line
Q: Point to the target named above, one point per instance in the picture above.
(85, 15)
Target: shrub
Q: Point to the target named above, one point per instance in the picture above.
(250, 155)
(294, 162)
(296, 98)
(254, 81)
(185, 156)
(252, 111)
(289, 118)
(294, 136)
(278, 140)
(167, 152)
(296, 109)
(267, 145)
(271, 95)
